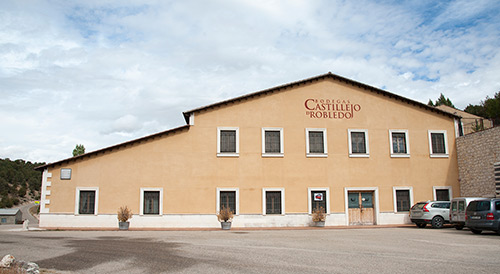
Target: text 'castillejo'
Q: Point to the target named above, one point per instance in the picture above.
(330, 108)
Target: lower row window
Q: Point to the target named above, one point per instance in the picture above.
(273, 199)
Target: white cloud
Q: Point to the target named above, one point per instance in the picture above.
(100, 73)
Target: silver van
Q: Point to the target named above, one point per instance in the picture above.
(457, 210)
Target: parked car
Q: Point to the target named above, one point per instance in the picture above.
(482, 215)
(435, 213)
(457, 210)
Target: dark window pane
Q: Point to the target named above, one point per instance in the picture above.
(398, 143)
(87, 202)
(318, 199)
(228, 141)
(151, 202)
(442, 195)
(228, 200)
(358, 142)
(272, 139)
(316, 144)
(403, 200)
(273, 202)
(437, 140)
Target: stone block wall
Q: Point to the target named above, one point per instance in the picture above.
(477, 153)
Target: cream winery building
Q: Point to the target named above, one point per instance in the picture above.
(362, 153)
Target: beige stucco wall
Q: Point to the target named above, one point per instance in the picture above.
(186, 166)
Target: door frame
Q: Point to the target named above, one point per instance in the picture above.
(375, 204)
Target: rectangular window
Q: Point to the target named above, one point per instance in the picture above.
(4, 220)
(227, 141)
(403, 200)
(272, 142)
(442, 193)
(318, 197)
(87, 202)
(273, 202)
(358, 143)
(400, 146)
(438, 144)
(228, 200)
(316, 142)
(152, 202)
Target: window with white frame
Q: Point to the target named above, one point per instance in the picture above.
(228, 141)
(316, 145)
(403, 199)
(442, 193)
(87, 200)
(273, 201)
(438, 143)
(358, 143)
(151, 201)
(228, 198)
(272, 142)
(318, 197)
(400, 145)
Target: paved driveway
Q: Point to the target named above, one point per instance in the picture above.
(374, 250)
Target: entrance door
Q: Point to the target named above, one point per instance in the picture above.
(360, 207)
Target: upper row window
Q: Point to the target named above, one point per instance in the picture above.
(316, 144)
(228, 141)
(272, 142)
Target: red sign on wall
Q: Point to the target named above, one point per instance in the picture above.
(330, 108)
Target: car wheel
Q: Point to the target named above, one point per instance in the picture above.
(421, 225)
(437, 222)
(476, 231)
(459, 227)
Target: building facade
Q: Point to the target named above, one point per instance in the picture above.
(363, 154)
(479, 163)
(10, 216)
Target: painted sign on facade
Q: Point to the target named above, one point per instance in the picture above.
(330, 108)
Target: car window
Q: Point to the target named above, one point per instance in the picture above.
(479, 205)
(454, 206)
(418, 206)
(461, 205)
(497, 205)
(441, 205)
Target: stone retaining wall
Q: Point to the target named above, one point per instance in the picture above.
(477, 153)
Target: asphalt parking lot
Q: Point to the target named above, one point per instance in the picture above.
(371, 250)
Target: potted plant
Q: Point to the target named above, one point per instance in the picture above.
(319, 216)
(225, 216)
(124, 214)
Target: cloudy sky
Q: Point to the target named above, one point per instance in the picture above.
(100, 72)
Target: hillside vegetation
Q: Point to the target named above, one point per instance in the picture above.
(19, 182)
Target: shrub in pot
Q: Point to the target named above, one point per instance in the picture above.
(124, 214)
(319, 216)
(225, 216)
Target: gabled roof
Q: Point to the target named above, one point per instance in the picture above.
(328, 75)
(284, 87)
(9, 211)
(128, 143)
